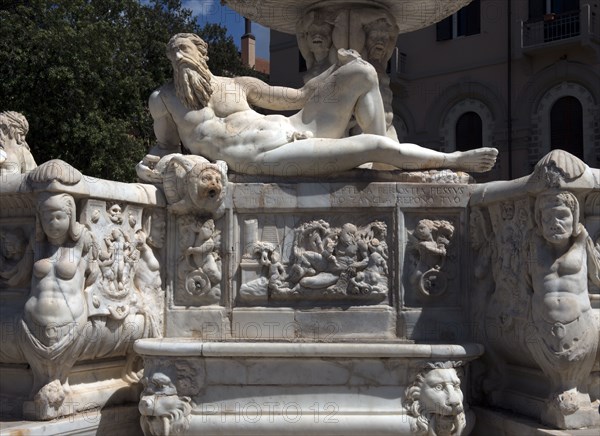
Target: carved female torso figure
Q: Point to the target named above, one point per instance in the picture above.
(56, 303)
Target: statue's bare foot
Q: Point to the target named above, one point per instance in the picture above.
(477, 160)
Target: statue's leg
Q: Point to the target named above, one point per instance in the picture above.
(319, 156)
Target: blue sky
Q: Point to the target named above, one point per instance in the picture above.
(211, 11)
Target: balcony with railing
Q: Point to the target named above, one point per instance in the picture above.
(550, 30)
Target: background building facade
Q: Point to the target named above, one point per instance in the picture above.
(519, 75)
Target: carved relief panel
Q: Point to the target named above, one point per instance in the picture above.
(199, 261)
(129, 275)
(592, 223)
(512, 222)
(431, 260)
(296, 260)
(17, 241)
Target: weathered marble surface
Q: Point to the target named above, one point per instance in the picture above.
(312, 260)
(242, 388)
(212, 116)
(536, 287)
(15, 157)
(295, 298)
(114, 236)
(191, 183)
(301, 293)
(283, 15)
(81, 280)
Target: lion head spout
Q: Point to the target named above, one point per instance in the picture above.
(163, 412)
(435, 400)
(191, 183)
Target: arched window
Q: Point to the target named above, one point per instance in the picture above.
(469, 131)
(566, 126)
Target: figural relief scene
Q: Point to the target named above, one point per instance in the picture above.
(314, 261)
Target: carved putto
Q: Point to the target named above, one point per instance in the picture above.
(435, 400)
(200, 270)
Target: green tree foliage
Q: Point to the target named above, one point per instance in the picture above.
(81, 71)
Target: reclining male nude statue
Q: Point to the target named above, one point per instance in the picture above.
(212, 116)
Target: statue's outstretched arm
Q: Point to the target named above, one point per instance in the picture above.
(275, 97)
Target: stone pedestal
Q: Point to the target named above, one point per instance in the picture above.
(244, 388)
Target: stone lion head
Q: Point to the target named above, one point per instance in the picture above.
(436, 400)
(163, 411)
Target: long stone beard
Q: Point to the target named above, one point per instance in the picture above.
(192, 84)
